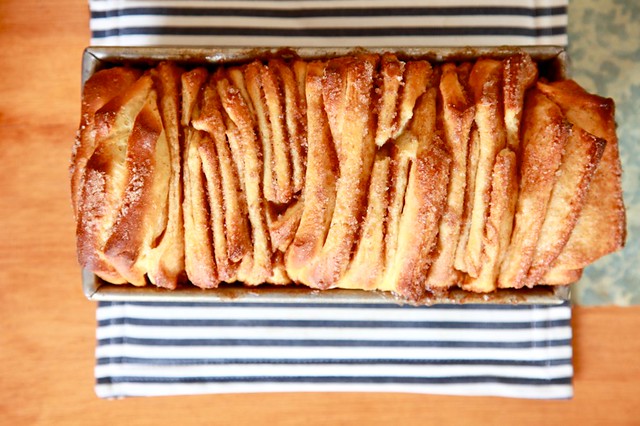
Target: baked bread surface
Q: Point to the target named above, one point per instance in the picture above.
(362, 172)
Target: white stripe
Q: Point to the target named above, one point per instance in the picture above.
(317, 333)
(310, 352)
(325, 370)
(145, 21)
(243, 41)
(297, 5)
(467, 389)
(552, 313)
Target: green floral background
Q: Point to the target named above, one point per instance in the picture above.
(604, 47)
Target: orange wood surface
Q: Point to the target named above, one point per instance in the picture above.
(47, 328)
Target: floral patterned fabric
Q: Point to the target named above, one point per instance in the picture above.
(604, 47)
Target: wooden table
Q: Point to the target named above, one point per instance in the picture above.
(47, 328)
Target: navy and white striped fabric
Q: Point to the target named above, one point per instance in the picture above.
(329, 22)
(185, 348)
(153, 348)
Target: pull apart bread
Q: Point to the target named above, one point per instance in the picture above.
(361, 172)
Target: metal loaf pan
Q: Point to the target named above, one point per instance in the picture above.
(552, 62)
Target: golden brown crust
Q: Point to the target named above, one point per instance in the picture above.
(366, 269)
(213, 120)
(416, 79)
(504, 194)
(556, 276)
(399, 176)
(485, 82)
(416, 178)
(192, 82)
(601, 227)
(105, 178)
(403, 151)
(101, 88)
(236, 77)
(246, 142)
(213, 180)
(457, 111)
(199, 257)
(579, 161)
(283, 228)
(242, 137)
(95, 207)
(295, 117)
(279, 275)
(469, 193)
(200, 264)
(166, 263)
(253, 84)
(347, 86)
(275, 105)
(424, 202)
(139, 220)
(388, 85)
(544, 138)
(520, 73)
(320, 186)
(266, 96)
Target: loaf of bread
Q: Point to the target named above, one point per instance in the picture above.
(361, 172)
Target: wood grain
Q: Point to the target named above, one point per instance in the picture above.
(47, 328)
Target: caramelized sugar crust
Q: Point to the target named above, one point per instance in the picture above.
(364, 172)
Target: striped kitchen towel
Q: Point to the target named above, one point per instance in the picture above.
(328, 22)
(161, 348)
(156, 348)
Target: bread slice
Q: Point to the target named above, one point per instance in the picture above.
(242, 139)
(499, 225)
(320, 182)
(398, 180)
(424, 201)
(200, 264)
(106, 178)
(347, 87)
(457, 111)
(601, 227)
(295, 117)
(486, 84)
(520, 73)
(473, 156)
(545, 133)
(275, 106)
(415, 81)
(102, 87)
(264, 92)
(213, 120)
(366, 269)
(166, 258)
(579, 161)
(141, 218)
(213, 180)
(388, 84)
